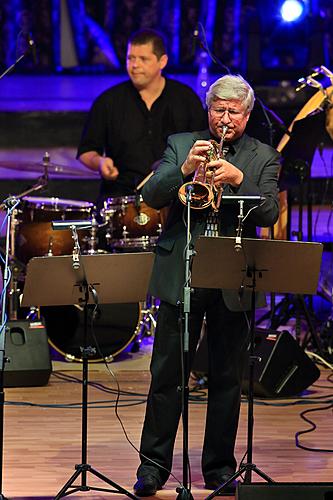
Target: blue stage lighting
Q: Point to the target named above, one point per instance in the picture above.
(292, 10)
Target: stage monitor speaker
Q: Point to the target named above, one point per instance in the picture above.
(282, 368)
(28, 354)
(284, 491)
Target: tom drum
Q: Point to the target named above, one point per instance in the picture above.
(34, 234)
(132, 223)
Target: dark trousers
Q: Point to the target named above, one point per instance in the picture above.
(227, 335)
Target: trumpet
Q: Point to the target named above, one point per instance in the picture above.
(203, 192)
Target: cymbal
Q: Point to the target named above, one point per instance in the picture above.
(52, 168)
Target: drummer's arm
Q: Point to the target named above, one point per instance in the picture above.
(102, 164)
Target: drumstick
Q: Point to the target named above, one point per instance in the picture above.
(143, 182)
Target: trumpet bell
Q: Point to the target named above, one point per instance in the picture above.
(201, 195)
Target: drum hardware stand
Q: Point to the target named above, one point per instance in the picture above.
(255, 268)
(91, 241)
(147, 324)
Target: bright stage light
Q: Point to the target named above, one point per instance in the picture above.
(292, 10)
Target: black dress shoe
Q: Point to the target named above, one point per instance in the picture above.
(215, 483)
(146, 486)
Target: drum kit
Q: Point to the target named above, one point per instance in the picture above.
(124, 224)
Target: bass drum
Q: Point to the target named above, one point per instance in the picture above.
(112, 330)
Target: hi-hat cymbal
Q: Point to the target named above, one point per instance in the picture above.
(52, 168)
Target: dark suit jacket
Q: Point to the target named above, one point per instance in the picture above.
(260, 165)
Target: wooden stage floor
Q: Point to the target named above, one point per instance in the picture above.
(42, 435)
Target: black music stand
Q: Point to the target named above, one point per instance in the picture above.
(307, 134)
(111, 278)
(261, 265)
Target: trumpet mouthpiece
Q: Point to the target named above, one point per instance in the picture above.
(224, 129)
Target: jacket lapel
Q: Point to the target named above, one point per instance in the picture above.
(246, 149)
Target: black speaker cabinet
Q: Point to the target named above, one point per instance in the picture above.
(282, 368)
(284, 491)
(28, 354)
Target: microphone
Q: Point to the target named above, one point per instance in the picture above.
(195, 38)
(238, 244)
(239, 230)
(308, 80)
(76, 249)
(9, 203)
(32, 48)
(302, 83)
(46, 163)
(75, 259)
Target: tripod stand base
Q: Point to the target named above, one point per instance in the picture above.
(70, 487)
(246, 469)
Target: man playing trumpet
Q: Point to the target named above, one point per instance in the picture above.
(245, 167)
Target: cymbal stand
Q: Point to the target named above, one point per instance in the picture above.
(249, 467)
(87, 351)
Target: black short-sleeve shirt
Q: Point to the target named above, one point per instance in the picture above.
(120, 126)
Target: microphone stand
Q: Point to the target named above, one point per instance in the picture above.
(14, 291)
(31, 47)
(9, 204)
(184, 492)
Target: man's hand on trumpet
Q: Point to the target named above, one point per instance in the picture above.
(224, 173)
(196, 156)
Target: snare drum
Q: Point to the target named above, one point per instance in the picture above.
(132, 224)
(34, 234)
(115, 327)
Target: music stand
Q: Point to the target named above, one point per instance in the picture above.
(261, 265)
(307, 134)
(114, 278)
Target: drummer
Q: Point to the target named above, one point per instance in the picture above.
(128, 124)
